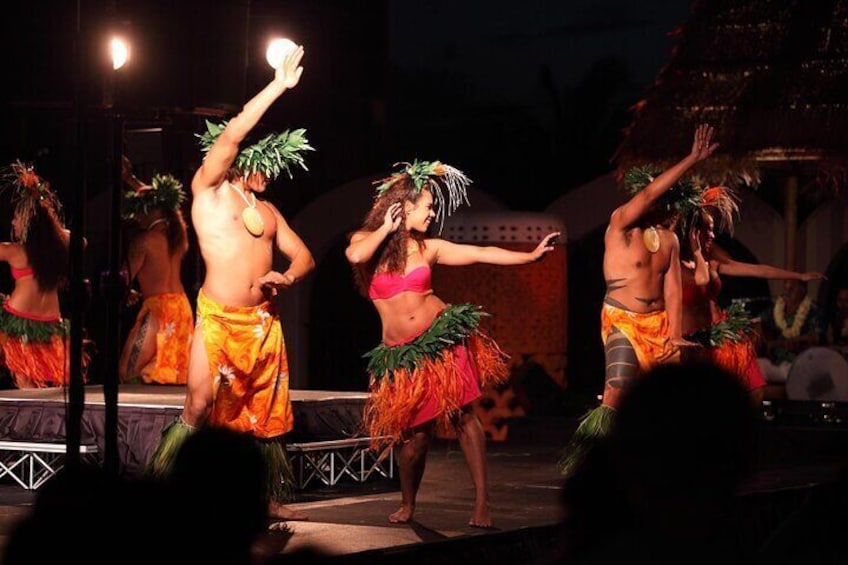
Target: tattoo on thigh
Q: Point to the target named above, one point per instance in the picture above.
(137, 344)
(621, 361)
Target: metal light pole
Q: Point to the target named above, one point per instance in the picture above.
(112, 283)
(79, 294)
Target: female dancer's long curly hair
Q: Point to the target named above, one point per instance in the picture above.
(392, 253)
(46, 244)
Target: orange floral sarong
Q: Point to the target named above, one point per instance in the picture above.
(33, 349)
(647, 333)
(173, 315)
(249, 366)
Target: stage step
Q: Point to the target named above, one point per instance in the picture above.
(31, 464)
(327, 462)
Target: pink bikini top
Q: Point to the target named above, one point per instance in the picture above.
(386, 285)
(21, 273)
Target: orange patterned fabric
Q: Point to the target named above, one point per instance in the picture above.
(35, 364)
(172, 313)
(647, 333)
(436, 389)
(247, 359)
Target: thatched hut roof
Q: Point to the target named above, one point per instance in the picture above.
(770, 75)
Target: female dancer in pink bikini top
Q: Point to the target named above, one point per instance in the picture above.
(433, 358)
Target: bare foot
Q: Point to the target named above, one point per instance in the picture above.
(272, 543)
(482, 516)
(280, 512)
(403, 515)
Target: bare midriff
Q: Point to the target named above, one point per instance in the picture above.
(407, 315)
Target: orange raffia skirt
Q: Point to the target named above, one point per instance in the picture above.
(737, 357)
(34, 348)
(432, 376)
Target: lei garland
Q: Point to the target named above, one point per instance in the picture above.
(797, 323)
(272, 155)
(165, 192)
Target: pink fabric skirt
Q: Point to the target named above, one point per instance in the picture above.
(429, 408)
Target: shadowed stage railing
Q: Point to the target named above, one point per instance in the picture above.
(327, 440)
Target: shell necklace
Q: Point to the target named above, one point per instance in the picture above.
(250, 216)
(155, 223)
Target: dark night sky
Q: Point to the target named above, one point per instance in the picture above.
(529, 98)
(515, 93)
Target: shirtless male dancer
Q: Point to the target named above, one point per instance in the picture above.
(641, 318)
(238, 372)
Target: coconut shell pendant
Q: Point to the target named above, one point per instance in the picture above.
(651, 239)
(253, 221)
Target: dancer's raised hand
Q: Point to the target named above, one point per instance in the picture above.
(703, 146)
(289, 71)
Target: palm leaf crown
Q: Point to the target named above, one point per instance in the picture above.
(165, 192)
(272, 155)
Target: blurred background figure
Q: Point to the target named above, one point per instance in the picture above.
(792, 325)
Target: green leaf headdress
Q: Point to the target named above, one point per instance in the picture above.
(28, 192)
(433, 175)
(271, 156)
(165, 192)
(683, 197)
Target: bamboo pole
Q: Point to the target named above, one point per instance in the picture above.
(790, 215)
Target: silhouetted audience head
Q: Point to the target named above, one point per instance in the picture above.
(84, 515)
(658, 489)
(219, 479)
(684, 434)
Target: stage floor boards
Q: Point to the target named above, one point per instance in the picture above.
(525, 490)
(524, 484)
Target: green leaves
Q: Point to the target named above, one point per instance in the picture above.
(684, 197)
(32, 330)
(457, 323)
(271, 156)
(165, 192)
(637, 178)
(735, 326)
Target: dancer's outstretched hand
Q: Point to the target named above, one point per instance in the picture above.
(545, 246)
(812, 276)
(703, 145)
(133, 298)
